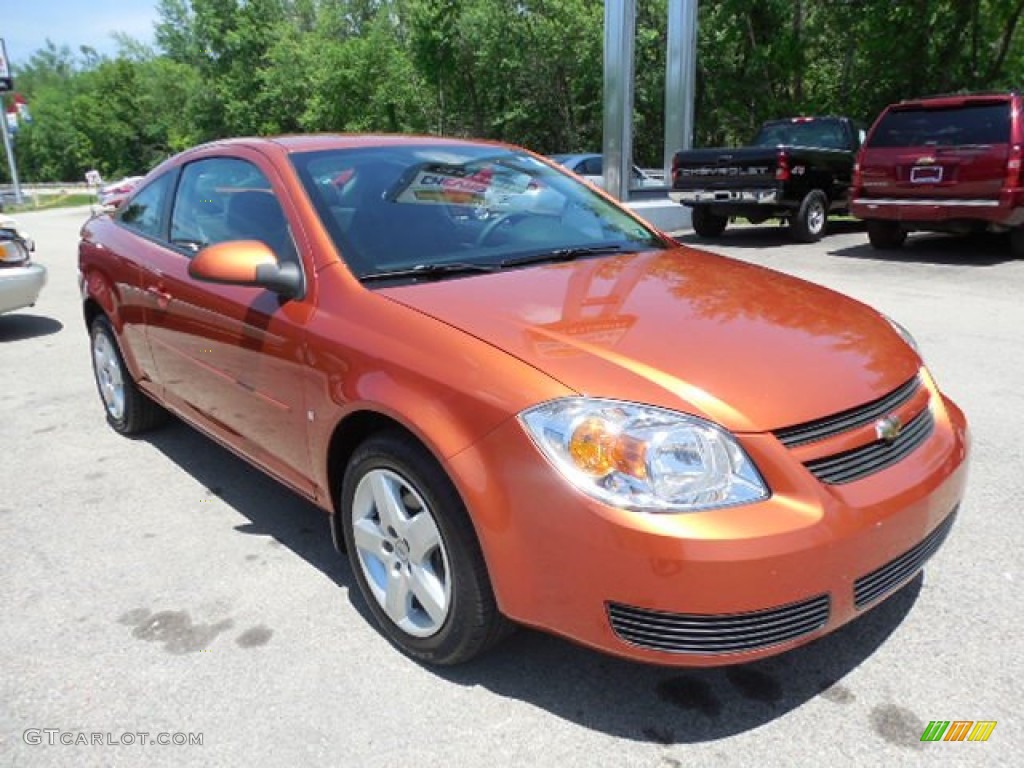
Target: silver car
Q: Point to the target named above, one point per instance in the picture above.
(21, 279)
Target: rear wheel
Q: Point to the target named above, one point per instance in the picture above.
(808, 224)
(414, 553)
(129, 410)
(886, 235)
(1017, 242)
(706, 223)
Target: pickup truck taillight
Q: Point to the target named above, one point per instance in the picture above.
(782, 167)
(1013, 169)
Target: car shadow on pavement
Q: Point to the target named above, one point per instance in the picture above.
(273, 510)
(982, 250)
(21, 327)
(614, 696)
(679, 705)
(768, 235)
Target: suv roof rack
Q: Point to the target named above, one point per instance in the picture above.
(956, 94)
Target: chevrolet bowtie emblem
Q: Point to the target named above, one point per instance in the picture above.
(888, 429)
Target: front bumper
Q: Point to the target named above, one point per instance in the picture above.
(20, 286)
(811, 558)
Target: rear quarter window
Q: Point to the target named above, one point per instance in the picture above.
(946, 127)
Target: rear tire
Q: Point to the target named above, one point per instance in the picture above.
(129, 410)
(886, 235)
(809, 222)
(1017, 242)
(415, 555)
(706, 223)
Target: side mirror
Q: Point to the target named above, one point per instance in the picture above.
(246, 262)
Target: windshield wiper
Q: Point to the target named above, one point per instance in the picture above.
(559, 254)
(431, 271)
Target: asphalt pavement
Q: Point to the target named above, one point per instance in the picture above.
(162, 586)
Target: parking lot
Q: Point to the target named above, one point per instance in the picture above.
(161, 585)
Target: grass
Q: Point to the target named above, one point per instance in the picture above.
(45, 202)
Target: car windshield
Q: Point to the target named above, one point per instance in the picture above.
(970, 124)
(433, 210)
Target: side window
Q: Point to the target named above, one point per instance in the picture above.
(223, 198)
(144, 213)
(592, 166)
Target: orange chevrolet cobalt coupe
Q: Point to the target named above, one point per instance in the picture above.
(518, 403)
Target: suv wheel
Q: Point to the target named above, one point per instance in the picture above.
(1017, 242)
(886, 235)
(809, 222)
(415, 555)
(706, 223)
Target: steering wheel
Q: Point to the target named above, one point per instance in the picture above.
(501, 220)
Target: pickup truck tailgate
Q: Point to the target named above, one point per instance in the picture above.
(716, 169)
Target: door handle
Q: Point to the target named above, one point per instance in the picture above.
(163, 298)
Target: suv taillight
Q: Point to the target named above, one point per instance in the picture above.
(1013, 170)
(782, 169)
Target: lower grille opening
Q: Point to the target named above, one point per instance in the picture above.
(718, 633)
(882, 581)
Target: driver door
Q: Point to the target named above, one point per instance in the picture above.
(231, 356)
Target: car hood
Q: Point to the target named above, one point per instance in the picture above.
(744, 346)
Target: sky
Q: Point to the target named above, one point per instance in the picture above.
(26, 24)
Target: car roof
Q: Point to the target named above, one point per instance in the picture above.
(321, 141)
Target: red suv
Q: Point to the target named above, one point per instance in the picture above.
(943, 164)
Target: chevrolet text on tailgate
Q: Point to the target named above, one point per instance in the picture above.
(797, 169)
(943, 164)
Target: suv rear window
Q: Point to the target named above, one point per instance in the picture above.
(945, 127)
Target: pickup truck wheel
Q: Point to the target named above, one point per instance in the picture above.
(886, 235)
(1017, 242)
(808, 224)
(707, 223)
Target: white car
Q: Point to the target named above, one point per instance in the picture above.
(21, 280)
(591, 167)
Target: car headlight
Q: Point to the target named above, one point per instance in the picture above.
(904, 334)
(643, 458)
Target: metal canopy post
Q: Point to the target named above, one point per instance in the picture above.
(619, 43)
(680, 79)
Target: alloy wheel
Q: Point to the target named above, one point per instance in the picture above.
(401, 553)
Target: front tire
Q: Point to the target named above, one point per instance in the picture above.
(129, 410)
(707, 223)
(809, 223)
(886, 235)
(415, 554)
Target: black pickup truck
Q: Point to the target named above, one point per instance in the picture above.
(798, 169)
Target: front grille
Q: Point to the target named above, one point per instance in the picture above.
(877, 584)
(717, 633)
(844, 421)
(853, 465)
